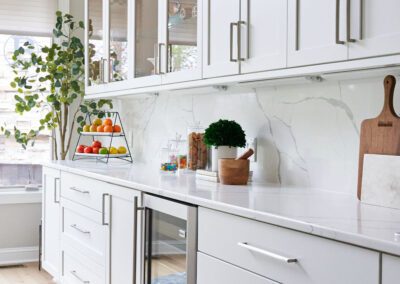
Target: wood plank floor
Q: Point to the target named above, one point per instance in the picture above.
(26, 274)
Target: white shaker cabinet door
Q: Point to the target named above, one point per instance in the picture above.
(263, 35)
(374, 28)
(220, 37)
(316, 32)
(51, 254)
(121, 222)
(390, 269)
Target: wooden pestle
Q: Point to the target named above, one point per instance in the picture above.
(246, 155)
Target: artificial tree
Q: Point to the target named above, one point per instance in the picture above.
(52, 81)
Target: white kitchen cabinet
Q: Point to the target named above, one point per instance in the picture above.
(215, 271)
(121, 236)
(390, 269)
(263, 35)
(220, 39)
(374, 28)
(281, 254)
(316, 32)
(244, 36)
(51, 256)
(106, 42)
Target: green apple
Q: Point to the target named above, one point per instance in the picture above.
(103, 151)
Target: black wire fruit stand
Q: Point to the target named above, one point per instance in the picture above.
(104, 157)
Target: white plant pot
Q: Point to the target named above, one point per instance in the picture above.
(222, 152)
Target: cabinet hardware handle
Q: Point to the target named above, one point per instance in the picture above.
(208, 32)
(101, 70)
(348, 22)
(73, 272)
(136, 209)
(337, 24)
(103, 206)
(267, 253)
(79, 190)
(75, 226)
(55, 190)
(297, 45)
(239, 39)
(160, 45)
(361, 19)
(231, 42)
(111, 72)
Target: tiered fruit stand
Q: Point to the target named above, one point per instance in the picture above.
(112, 135)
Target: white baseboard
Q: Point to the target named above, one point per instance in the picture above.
(10, 256)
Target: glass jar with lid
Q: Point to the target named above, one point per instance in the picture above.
(197, 150)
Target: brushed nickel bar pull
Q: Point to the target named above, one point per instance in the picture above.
(55, 190)
(231, 42)
(111, 73)
(73, 272)
(79, 190)
(337, 24)
(361, 19)
(103, 206)
(136, 209)
(75, 226)
(101, 71)
(239, 39)
(348, 22)
(297, 44)
(209, 32)
(267, 253)
(159, 58)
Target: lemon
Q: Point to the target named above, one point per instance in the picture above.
(113, 150)
(97, 122)
(122, 150)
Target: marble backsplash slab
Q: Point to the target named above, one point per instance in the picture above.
(307, 134)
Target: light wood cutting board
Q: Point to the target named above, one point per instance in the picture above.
(380, 135)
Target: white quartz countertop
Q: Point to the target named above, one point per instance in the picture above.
(322, 213)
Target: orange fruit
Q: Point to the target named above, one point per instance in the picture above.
(100, 128)
(107, 121)
(93, 128)
(108, 128)
(117, 128)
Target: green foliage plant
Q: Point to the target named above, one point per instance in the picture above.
(225, 133)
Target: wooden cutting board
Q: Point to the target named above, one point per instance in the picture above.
(380, 135)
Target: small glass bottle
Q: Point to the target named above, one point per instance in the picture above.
(197, 150)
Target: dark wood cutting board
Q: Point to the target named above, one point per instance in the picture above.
(380, 135)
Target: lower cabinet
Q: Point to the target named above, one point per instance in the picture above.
(390, 269)
(92, 230)
(284, 255)
(51, 257)
(214, 271)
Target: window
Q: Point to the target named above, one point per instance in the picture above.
(11, 151)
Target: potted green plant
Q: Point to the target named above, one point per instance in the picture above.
(224, 137)
(52, 82)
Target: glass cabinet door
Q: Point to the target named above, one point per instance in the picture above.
(118, 40)
(146, 38)
(166, 249)
(96, 48)
(181, 38)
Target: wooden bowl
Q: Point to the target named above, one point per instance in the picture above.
(234, 172)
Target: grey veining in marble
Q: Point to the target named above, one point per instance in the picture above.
(332, 215)
(308, 135)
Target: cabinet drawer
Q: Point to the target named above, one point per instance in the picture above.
(86, 191)
(83, 230)
(77, 270)
(269, 250)
(390, 269)
(213, 271)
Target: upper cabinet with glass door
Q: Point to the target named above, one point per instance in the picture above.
(180, 40)
(106, 44)
(167, 41)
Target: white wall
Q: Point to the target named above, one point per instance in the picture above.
(308, 134)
